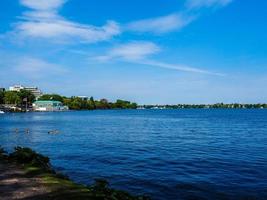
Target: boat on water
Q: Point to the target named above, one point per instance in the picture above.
(2, 112)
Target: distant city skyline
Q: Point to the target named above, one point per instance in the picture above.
(191, 51)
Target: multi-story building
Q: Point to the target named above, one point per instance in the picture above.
(34, 90)
(16, 88)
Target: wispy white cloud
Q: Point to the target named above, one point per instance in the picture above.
(131, 51)
(173, 22)
(160, 25)
(178, 67)
(43, 21)
(195, 4)
(140, 52)
(64, 30)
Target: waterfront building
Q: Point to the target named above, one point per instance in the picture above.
(16, 88)
(34, 90)
(49, 106)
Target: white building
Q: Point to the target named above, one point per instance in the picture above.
(34, 90)
(49, 106)
(16, 88)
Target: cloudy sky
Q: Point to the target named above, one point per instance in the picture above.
(148, 51)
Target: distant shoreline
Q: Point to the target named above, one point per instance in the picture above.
(139, 109)
(24, 100)
(205, 106)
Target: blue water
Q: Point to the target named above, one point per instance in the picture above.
(166, 154)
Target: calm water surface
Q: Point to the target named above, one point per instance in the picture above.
(166, 154)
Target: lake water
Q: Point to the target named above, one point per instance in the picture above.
(166, 154)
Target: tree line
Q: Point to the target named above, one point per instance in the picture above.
(18, 98)
(203, 106)
(22, 97)
(77, 103)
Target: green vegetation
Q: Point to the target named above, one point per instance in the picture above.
(18, 98)
(55, 97)
(76, 103)
(205, 106)
(29, 157)
(3, 154)
(12, 98)
(124, 104)
(2, 95)
(60, 186)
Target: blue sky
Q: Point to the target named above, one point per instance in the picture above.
(191, 51)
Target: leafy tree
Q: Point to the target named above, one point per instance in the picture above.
(121, 104)
(91, 104)
(2, 95)
(25, 94)
(84, 104)
(133, 105)
(77, 103)
(55, 97)
(66, 101)
(102, 104)
(12, 97)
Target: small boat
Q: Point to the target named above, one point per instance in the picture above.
(2, 112)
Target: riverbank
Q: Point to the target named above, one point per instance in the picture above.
(27, 175)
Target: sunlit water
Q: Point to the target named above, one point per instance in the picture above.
(166, 154)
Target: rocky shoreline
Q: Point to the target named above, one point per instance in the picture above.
(27, 175)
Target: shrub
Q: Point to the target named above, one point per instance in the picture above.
(29, 157)
(3, 153)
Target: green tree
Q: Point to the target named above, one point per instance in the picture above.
(2, 95)
(12, 97)
(133, 105)
(55, 97)
(75, 103)
(102, 104)
(66, 101)
(26, 95)
(91, 104)
(121, 104)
